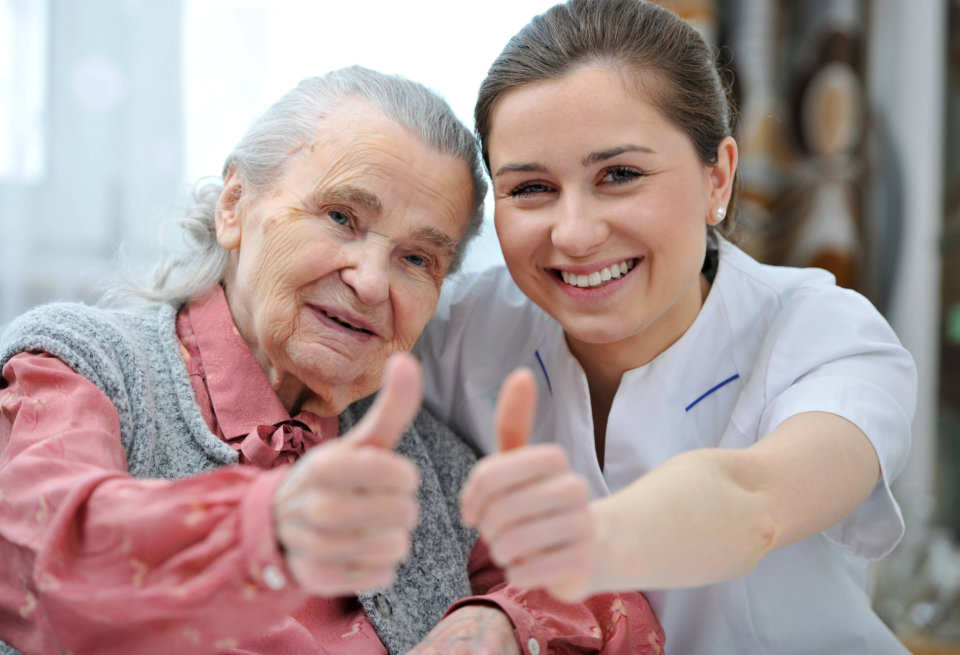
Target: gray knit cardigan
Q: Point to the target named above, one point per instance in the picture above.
(133, 357)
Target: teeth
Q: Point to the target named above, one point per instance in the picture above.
(597, 278)
(337, 319)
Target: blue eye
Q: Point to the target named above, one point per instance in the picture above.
(417, 260)
(621, 175)
(339, 217)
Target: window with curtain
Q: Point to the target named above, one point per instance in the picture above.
(23, 83)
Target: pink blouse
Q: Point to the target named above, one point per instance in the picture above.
(95, 561)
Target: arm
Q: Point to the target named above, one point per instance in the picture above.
(702, 517)
(711, 515)
(505, 619)
(105, 563)
(96, 561)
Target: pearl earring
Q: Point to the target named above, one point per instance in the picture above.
(721, 214)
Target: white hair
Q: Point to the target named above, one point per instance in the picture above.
(260, 156)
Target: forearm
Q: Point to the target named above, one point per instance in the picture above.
(128, 565)
(687, 523)
(96, 561)
(710, 515)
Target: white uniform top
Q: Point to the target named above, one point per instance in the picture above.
(769, 343)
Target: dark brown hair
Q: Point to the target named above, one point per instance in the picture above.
(674, 67)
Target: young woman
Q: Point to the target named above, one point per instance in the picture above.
(738, 424)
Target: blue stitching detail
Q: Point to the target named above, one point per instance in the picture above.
(544, 369)
(711, 390)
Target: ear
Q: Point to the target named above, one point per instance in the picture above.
(721, 178)
(227, 214)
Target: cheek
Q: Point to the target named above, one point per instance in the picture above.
(413, 310)
(277, 321)
(518, 235)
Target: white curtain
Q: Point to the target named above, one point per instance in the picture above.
(111, 126)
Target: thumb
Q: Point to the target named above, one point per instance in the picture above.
(515, 405)
(395, 407)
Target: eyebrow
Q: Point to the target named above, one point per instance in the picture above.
(437, 238)
(592, 158)
(349, 195)
(595, 157)
(352, 195)
(521, 167)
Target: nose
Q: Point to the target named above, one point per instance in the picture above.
(580, 228)
(368, 273)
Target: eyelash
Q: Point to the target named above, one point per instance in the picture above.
(426, 263)
(624, 173)
(627, 174)
(425, 260)
(525, 190)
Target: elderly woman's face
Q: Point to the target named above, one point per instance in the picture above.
(340, 263)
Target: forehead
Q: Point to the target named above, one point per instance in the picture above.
(589, 105)
(594, 91)
(368, 160)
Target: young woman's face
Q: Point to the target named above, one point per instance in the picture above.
(602, 208)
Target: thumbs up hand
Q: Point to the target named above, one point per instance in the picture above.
(529, 507)
(344, 512)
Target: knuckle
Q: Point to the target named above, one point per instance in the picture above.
(553, 455)
(325, 509)
(500, 553)
(410, 515)
(574, 488)
(398, 546)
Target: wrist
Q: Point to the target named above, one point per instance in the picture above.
(605, 572)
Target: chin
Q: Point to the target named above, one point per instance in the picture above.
(332, 397)
(590, 332)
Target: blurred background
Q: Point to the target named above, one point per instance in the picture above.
(849, 127)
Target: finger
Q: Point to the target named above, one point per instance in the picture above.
(529, 540)
(564, 495)
(508, 472)
(371, 470)
(395, 407)
(471, 630)
(564, 572)
(331, 580)
(515, 408)
(348, 512)
(340, 512)
(383, 548)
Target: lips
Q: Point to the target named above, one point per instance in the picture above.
(600, 277)
(349, 322)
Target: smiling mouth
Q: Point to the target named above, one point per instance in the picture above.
(340, 321)
(598, 278)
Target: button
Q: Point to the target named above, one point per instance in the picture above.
(382, 603)
(274, 578)
(533, 646)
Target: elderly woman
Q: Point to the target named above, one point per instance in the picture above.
(170, 480)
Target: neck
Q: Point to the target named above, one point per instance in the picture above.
(605, 363)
